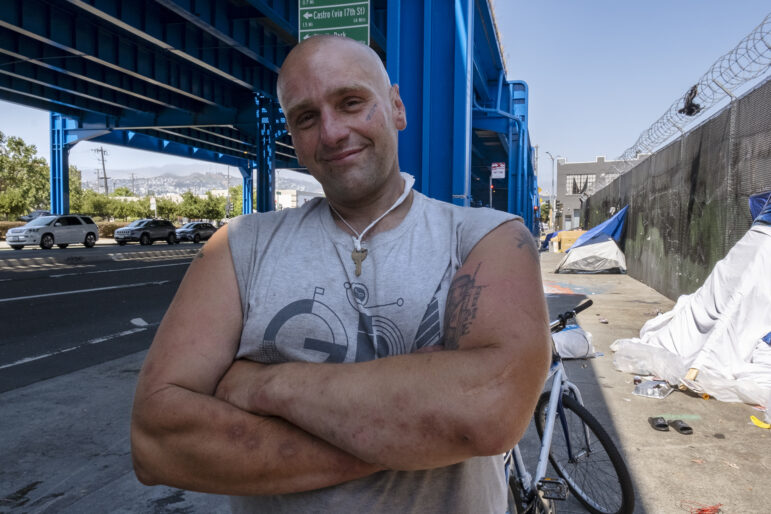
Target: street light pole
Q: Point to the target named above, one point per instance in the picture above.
(553, 195)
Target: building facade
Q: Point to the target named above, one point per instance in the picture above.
(576, 181)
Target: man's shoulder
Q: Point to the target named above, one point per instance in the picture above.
(266, 221)
(463, 212)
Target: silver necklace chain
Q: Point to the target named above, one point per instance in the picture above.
(360, 235)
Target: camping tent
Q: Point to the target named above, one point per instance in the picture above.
(721, 332)
(596, 251)
(601, 256)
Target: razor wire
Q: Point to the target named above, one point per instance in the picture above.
(750, 59)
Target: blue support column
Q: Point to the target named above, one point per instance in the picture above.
(268, 114)
(462, 95)
(419, 61)
(247, 173)
(60, 167)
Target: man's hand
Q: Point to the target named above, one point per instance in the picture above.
(240, 384)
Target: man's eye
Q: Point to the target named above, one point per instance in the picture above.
(305, 119)
(352, 103)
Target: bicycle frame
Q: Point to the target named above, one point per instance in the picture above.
(560, 385)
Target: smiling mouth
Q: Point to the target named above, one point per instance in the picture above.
(341, 156)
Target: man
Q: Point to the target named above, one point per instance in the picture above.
(295, 367)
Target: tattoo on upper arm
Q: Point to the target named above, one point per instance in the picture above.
(461, 308)
(526, 240)
(199, 255)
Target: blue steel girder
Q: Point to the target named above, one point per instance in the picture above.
(236, 25)
(168, 146)
(151, 22)
(55, 96)
(112, 100)
(37, 103)
(48, 57)
(77, 33)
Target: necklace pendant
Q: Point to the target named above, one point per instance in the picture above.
(358, 257)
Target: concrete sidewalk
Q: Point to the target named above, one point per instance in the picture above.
(65, 447)
(726, 460)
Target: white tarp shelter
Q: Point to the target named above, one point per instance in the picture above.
(722, 331)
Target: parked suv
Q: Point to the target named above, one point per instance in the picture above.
(48, 231)
(195, 231)
(147, 231)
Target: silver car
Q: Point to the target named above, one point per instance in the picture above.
(47, 231)
(195, 231)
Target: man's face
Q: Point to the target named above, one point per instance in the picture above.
(344, 118)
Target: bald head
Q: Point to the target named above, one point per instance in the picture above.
(326, 47)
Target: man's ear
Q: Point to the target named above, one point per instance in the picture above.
(399, 111)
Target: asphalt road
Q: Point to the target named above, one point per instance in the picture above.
(64, 310)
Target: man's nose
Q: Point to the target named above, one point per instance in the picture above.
(333, 128)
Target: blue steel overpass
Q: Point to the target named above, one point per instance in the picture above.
(197, 79)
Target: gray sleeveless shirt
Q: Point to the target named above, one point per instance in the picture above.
(302, 301)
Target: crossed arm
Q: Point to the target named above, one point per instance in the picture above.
(299, 426)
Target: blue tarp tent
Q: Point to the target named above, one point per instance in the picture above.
(549, 236)
(756, 205)
(614, 227)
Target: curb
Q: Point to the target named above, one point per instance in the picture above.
(8, 263)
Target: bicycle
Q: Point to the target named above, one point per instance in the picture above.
(580, 450)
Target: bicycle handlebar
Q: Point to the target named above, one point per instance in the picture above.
(561, 321)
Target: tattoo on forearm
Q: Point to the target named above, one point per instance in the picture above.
(526, 241)
(461, 308)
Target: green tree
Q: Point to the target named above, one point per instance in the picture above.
(122, 209)
(76, 190)
(166, 208)
(122, 191)
(140, 208)
(236, 201)
(24, 177)
(213, 207)
(545, 209)
(96, 204)
(191, 206)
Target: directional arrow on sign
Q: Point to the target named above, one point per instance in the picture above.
(307, 15)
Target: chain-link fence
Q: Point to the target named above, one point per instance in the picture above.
(688, 202)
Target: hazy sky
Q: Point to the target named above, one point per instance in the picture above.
(599, 72)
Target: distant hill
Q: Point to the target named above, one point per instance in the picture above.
(197, 178)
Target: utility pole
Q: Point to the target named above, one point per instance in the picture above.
(101, 151)
(133, 188)
(553, 195)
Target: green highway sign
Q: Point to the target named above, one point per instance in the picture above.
(348, 18)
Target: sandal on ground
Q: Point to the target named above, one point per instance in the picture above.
(681, 426)
(659, 423)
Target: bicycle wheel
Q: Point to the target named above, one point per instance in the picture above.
(596, 473)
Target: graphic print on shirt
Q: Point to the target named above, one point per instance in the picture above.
(312, 316)
(430, 330)
(313, 326)
(377, 336)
